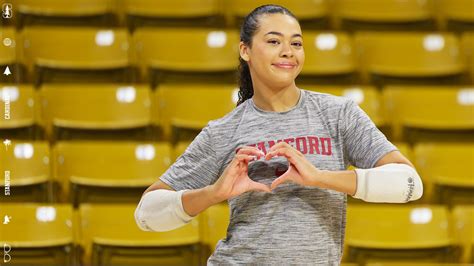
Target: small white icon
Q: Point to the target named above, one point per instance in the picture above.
(7, 143)
(7, 71)
(7, 10)
(6, 219)
(7, 41)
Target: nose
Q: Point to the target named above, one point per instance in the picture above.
(286, 50)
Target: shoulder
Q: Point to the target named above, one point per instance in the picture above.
(229, 120)
(328, 104)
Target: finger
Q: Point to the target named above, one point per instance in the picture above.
(251, 151)
(289, 154)
(279, 145)
(281, 179)
(243, 158)
(255, 186)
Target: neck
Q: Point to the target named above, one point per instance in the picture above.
(276, 99)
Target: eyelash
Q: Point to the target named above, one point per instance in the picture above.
(296, 43)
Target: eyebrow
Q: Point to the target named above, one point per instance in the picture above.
(281, 34)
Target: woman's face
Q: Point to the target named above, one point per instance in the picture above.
(276, 55)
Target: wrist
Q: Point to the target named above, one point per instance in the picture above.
(213, 195)
(320, 178)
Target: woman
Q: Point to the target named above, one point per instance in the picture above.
(279, 159)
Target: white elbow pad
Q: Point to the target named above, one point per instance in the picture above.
(392, 183)
(161, 210)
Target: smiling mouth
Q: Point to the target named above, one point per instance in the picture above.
(285, 66)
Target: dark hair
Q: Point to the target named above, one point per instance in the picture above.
(248, 29)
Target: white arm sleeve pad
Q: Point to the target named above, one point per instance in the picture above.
(161, 210)
(392, 183)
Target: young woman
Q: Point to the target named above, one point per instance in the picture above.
(279, 159)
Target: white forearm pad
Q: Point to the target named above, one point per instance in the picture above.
(161, 210)
(392, 183)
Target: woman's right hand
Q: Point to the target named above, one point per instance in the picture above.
(235, 180)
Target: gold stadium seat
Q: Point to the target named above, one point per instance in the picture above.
(191, 107)
(329, 58)
(108, 171)
(410, 58)
(311, 14)
(467, 43)
(214, 222)
(456, 15)
(58, 12)
(356, 15)
(440, 113)
(203, 55)
(29, 171)
(109, 235)
(75, 54)
(118, 111)
(367, 97)
(188, 13)
(404, 233)
(37, 234)
(463, 226)
(21, 111)
(8, 55)
(447, 171)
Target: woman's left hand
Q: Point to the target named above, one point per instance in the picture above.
(300, 170)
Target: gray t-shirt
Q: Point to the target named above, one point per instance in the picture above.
(294, 224)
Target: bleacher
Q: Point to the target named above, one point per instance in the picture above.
(105, 95)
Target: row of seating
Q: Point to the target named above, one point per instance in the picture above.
(174, 109)
(339, 14)
(159, 55)
(111, 171)
(106, 234)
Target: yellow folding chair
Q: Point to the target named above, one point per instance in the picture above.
(356, 15)
(109, 235)
(203, 55)
(188, 13)
(402, 233)
(8, 48)
(191, 106)
(467, 44)
(37, 234)
(83, 111)
(447, 171)
(437, 111)
(108, 171)
(463, 223)
(65, 54)
(214, 222)
(456, 15)
(310, 14)
(410, 58)
(28, 167)
(20, 112)
(8, 56)
(329, 59)
(57, 12)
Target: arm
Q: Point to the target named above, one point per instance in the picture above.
(163, 209)
(392, 180)
(346, 181)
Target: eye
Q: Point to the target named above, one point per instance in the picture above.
(298, 44)
(273, 41)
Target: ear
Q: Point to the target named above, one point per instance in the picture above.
(244, 51)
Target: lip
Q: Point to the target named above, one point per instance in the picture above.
(285, 65)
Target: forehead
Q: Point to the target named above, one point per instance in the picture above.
(278, 23)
